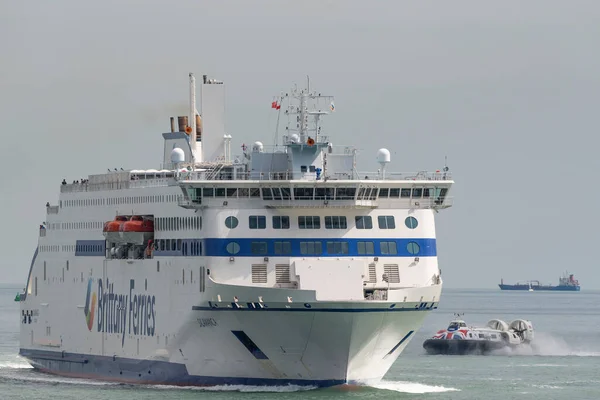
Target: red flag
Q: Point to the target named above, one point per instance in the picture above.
(278, 106)
(274, 104)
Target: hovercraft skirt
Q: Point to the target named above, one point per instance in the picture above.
(461, 347)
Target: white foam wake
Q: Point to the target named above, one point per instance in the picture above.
(18, 363)
(412, 387)
(548, 345)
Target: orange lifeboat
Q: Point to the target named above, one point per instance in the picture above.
(138, 230)
(111, 228)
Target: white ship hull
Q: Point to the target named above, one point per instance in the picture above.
(194, 339)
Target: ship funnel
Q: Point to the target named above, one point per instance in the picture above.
(182, 122)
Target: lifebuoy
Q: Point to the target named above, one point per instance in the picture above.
(188, 129)
(310, 141)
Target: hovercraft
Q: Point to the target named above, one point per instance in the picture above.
(460, 339)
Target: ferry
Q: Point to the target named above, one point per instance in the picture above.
(282, 265)
(566, 283)
(460, 339)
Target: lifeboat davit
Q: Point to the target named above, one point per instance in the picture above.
(112, 228)
(138, 230)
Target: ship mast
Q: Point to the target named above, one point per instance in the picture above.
(306, 104)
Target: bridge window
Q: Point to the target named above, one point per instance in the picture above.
(311, 248)
(310, 222)
(345, 193)
(363, 222)
(383, 192)
(386, 222)
(257, 222)
(258, 248)
(231, 222)
(303, 193)
(281, 222)
(395, 193)
(417, 193)
(336, 222)
(282, 248)
(233, 248)
(413, 248)
(388, 248)
(323, 193)
(365, 248)
(411, 222)
(267, 194)
(405, 192)
(337, 247)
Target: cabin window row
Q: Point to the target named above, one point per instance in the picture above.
(316, 247)
(184, 246)
(88, 248)
(314, 222)
(168, 198)
(52, 248)
(177, 223)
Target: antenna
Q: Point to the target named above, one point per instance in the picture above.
(302, 106)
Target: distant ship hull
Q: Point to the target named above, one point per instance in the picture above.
(543, 288)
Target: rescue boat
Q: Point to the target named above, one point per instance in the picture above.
(111, 230)
(138, 230)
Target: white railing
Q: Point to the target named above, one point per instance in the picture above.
(406, 176)
(311, 176)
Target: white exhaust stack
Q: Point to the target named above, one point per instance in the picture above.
(195, 146)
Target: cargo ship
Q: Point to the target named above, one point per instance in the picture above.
(566, 283)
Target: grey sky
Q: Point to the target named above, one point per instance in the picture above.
(509, 91)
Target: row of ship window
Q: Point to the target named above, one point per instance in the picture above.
(167, 198)
(316, 248)
(314, 222)
(162, 223)
(186, 247)
(53, 248)
(177, 223)
(324, 193)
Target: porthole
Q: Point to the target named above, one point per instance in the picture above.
(413, 248)
(233, 247)
(231, 222)
(411, 222)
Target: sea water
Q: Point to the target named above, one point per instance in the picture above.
(562, 363)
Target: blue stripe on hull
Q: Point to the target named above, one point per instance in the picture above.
(218, 247)
(130, 370)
